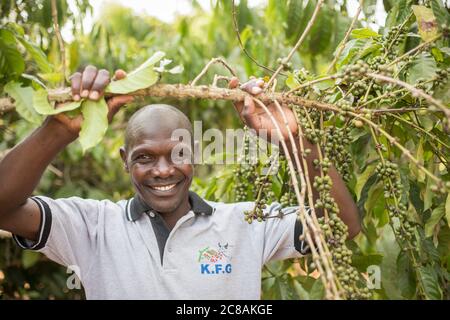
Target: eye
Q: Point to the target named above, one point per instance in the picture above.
(144, 158)
(181, 153)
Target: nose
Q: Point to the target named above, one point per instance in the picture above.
(163, 169)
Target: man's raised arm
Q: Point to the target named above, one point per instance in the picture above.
(22, 168)
(255, 117)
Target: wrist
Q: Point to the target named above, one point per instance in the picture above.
(59, 130)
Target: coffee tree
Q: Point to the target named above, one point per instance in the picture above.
(378, 108)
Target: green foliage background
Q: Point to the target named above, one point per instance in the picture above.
(123, 39)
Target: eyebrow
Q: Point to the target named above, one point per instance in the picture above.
(142, 149)
(154, 148)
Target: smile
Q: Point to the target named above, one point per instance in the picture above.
(164, 188)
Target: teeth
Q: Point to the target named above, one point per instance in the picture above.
(165, 188)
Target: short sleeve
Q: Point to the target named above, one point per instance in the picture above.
(282, 234)
(69, 230)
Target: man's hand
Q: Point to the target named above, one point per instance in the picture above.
(255, 117)
(91, 84)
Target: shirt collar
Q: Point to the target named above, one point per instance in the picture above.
(135, 207)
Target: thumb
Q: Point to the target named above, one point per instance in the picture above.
(248, 113)
(119, 74)
(233, 83)
(116, 102)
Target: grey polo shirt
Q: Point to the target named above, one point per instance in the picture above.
(124, 250)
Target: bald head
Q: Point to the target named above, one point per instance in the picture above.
(155, 119)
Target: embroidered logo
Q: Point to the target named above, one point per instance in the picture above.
(215, 260)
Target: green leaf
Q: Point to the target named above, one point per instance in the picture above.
(23, 97)
(280, 288)
(317, 291)
(388, 247)
(44, 107)
(430, 282)
(37, 55)
(443, 93)
(52, 77)
(362, 179)
(291, 81)
(398, 14)
(30, 258)
(406, 277)
(365, 193)
(301, 292)
(423, 67)
(375, 193)
(441, 14)
(426, 21)
(437, 54)
(426, 247)
(320, 37)
(306, 15)
(420, 175)
(11, 60)
(294, 16)
(436, 216)
(428, 195)
(369, 48)
(447, 209)
(364, 33)
(142, 77)
(95, 123)
(350, 50)
(362, 262)
(38, 84)
(414, 196)
(324, 85)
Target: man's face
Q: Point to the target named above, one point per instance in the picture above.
(158, 177)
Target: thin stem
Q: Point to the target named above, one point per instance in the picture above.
(420, 129)
(238, 35)
(303, 170)
(208, 65)
(397, 34)
(62, 50)
(347, 35)
(300, 197)
(413, 50)
(310, 83)
(396, 204)
(393, 141)
(416, 92)
(299, 42)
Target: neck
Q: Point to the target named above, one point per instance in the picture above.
(171, 218)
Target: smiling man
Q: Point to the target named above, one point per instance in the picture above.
(166, 242)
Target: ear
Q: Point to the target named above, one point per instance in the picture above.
(123, 155)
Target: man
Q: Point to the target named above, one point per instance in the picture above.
(166, 242)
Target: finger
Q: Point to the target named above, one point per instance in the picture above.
(75, 83)
(260, 83)
(72, 124)
(119, 74)
(116, 102)
(87, 79)
(101, 81)
(249, 115)
(234, 82)
(256, 90)
(249, 105)
(249, 85)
